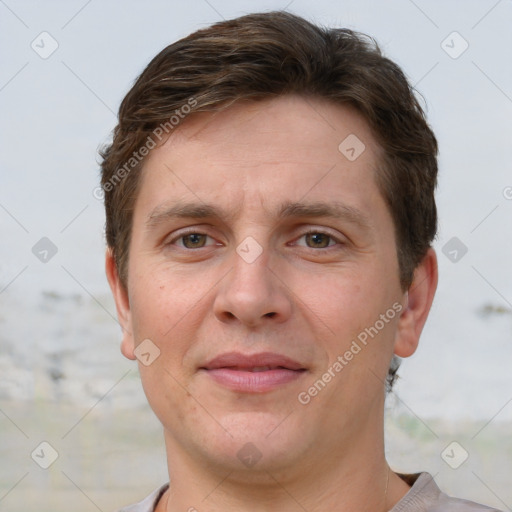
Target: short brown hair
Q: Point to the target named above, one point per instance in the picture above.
(266, 55)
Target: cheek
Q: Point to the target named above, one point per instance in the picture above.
(159, 313)
(350, 310)
(347, 301)
(158, 309)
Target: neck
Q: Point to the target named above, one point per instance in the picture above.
(352, 477)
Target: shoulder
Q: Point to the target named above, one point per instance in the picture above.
(147, 504)
(425, 496)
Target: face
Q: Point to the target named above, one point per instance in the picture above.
(263, 268)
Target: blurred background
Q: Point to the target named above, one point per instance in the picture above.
(63, 382)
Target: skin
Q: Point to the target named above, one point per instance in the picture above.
(307, 297)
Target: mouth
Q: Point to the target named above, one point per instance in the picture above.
(256, 373)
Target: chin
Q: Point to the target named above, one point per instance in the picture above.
(260, 441)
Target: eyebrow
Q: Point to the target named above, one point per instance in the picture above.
(334, 210)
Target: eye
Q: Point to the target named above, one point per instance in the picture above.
(314, 239)
(319, 239)
(191, 240)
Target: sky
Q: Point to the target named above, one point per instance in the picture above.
(67, 65)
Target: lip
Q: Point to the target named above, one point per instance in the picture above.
(237, 360)
(235, 371)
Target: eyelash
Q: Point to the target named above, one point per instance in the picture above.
(309, 232)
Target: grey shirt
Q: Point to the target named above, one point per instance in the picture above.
(423, 496)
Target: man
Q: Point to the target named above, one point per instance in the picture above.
(270, 211)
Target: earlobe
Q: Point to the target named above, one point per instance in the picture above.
(127, 347)
(122, 305)
(417, 303)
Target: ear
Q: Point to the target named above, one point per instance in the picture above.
(122, 305)
(418, 301)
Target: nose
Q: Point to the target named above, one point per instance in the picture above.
(252, 294)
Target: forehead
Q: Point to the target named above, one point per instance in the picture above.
(265, 153)
(306, 123)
